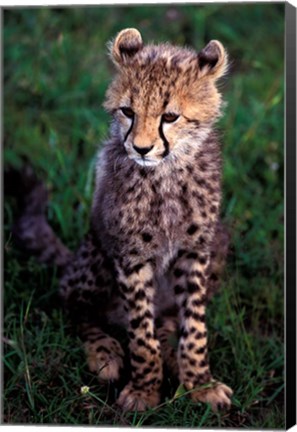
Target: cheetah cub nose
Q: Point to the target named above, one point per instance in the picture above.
(142, 150)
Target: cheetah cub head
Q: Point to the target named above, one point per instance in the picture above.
(164, 98)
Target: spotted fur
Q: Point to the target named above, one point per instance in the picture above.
(156, 245)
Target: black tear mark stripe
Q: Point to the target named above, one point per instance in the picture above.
(165, 142)
(129, 130)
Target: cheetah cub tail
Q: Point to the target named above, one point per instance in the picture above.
(31, 231)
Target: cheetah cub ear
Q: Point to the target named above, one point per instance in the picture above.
(213, 60)
(125, 46)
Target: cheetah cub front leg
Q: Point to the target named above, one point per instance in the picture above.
(190, 290)
(137, 287)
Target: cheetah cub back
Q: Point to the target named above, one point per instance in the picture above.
(156, 244)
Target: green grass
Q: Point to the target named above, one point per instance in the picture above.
(56, 71)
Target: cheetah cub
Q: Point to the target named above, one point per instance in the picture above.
(155, 243)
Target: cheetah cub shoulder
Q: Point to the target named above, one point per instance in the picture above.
(156, 244)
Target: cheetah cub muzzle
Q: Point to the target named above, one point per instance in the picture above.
(156, 245)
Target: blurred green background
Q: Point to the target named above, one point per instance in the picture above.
(56, 71)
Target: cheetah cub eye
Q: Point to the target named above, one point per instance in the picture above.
(170, 117)
(128, 112)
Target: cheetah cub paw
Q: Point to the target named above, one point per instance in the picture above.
(131, 399)
(218, 396)
(105, 357)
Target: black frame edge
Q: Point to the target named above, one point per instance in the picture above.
(290, 303)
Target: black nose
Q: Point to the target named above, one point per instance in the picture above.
(142, 150)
